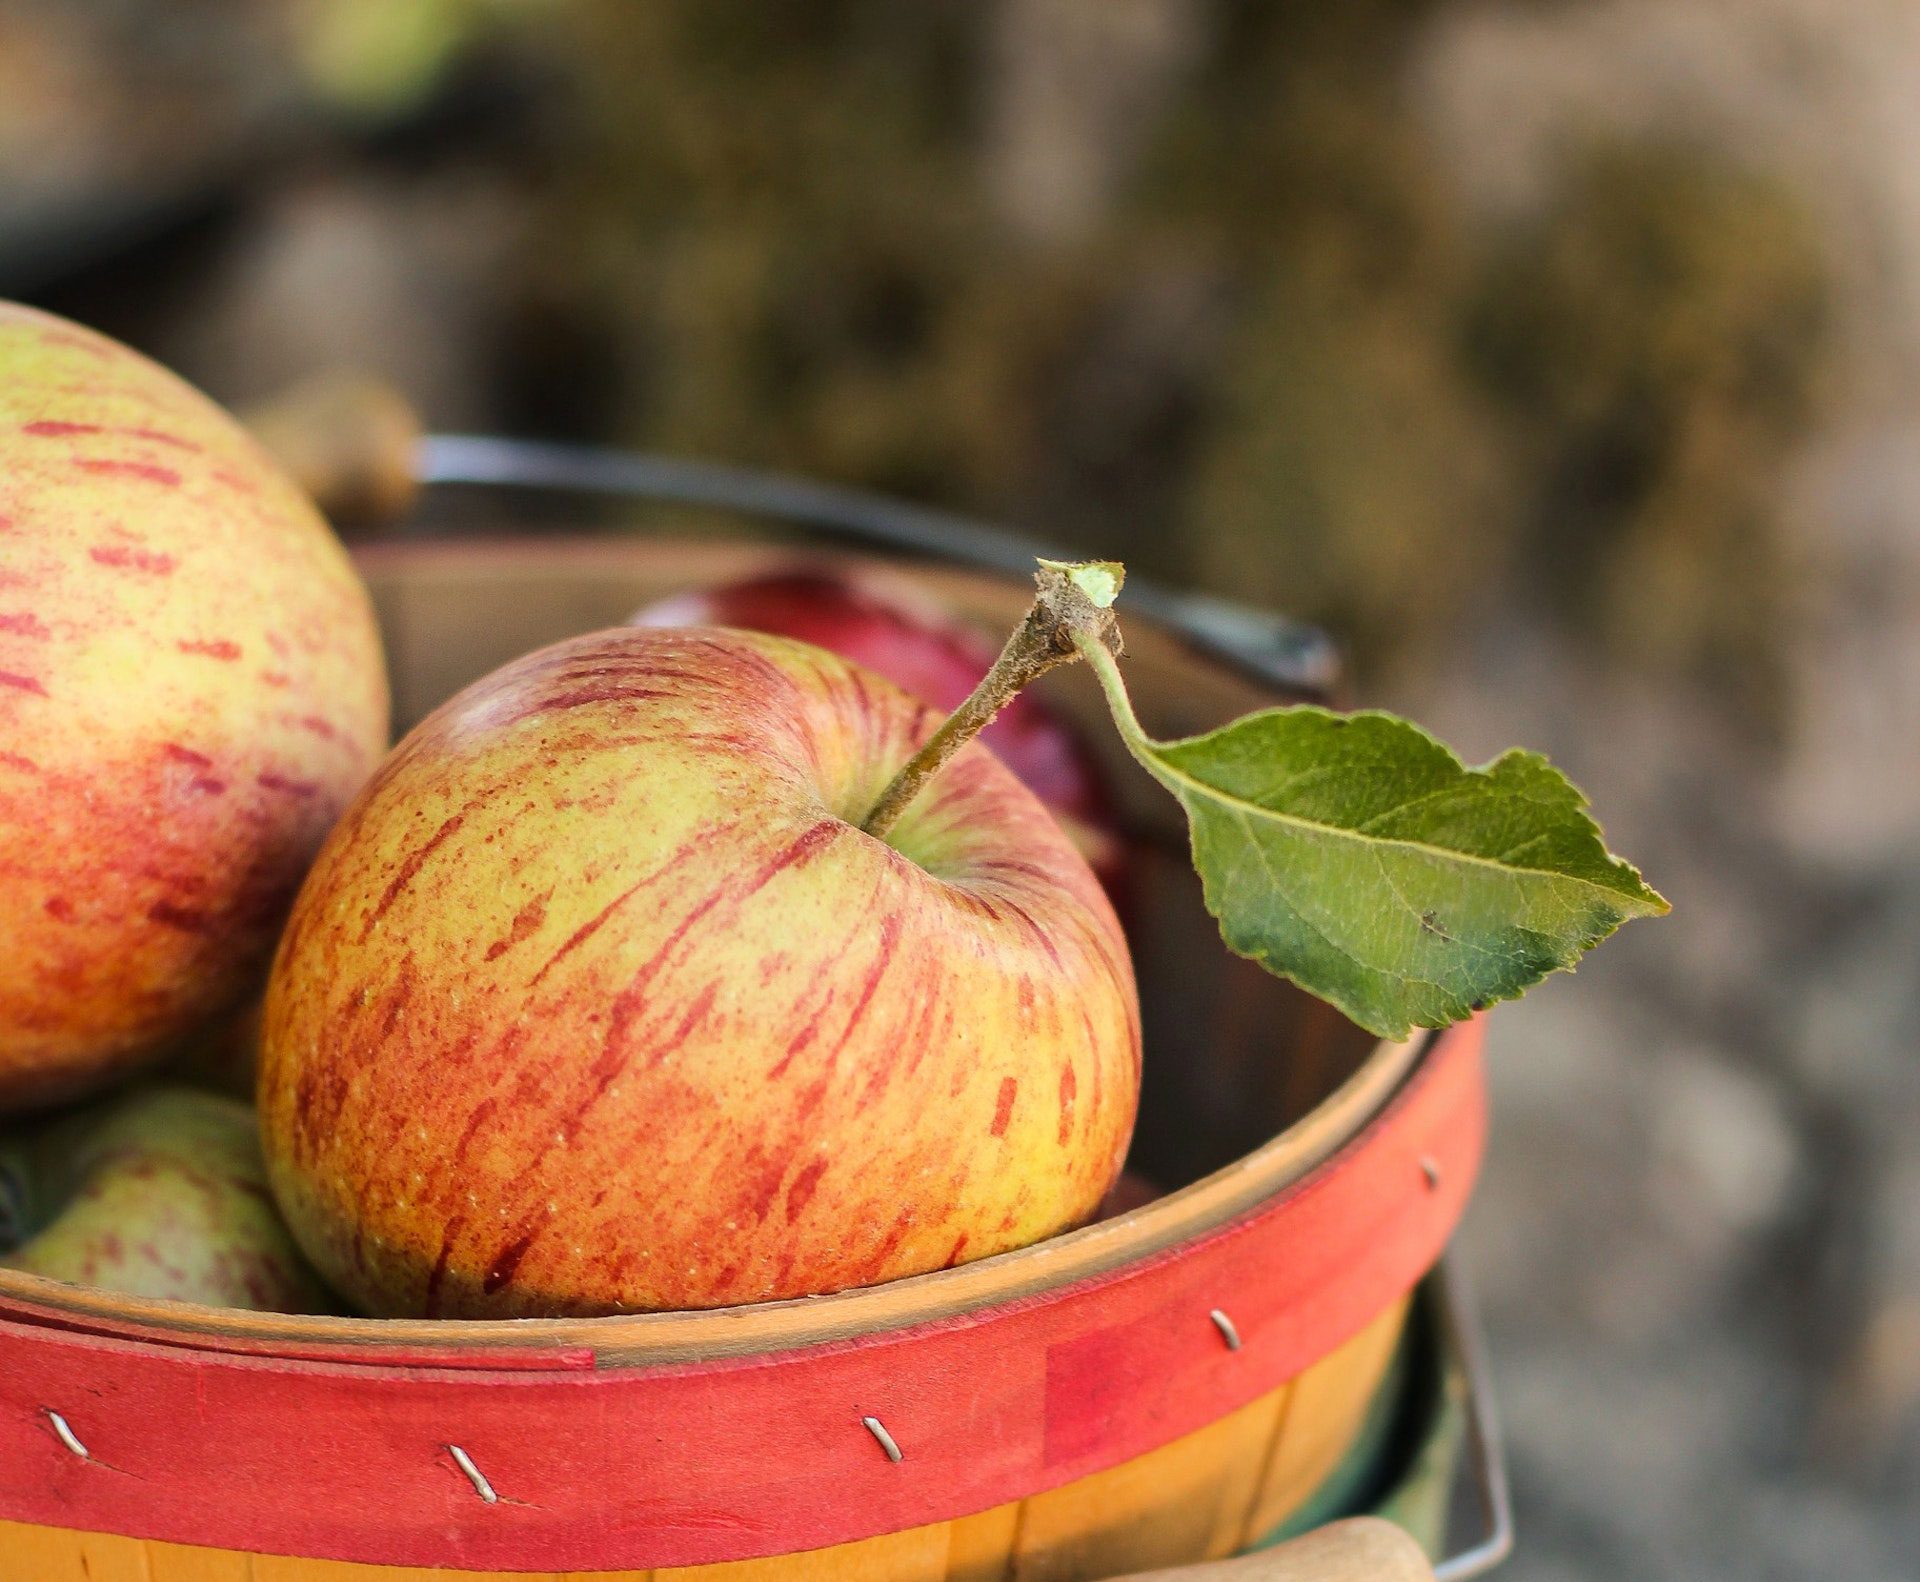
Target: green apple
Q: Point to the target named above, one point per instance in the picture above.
(159, 1192)
(599, 997)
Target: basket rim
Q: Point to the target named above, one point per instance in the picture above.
(703, 1334)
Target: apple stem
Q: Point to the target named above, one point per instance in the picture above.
(1073, 602)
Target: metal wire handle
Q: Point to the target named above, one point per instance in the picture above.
(1286, 654)
(1486, 1452)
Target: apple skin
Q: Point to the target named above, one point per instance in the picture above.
(596, 1001)
(191, 687)
(891, 627)
(157, 1192)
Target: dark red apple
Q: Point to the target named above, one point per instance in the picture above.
(892, 627)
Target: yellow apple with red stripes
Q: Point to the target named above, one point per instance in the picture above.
(191, 687)
(600, 999)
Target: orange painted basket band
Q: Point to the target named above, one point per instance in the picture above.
(739, 1457)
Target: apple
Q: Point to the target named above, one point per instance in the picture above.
(191, 687)
(599, 999)
(158, 1192)
(892, 627)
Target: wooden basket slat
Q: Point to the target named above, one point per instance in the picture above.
(1170, 1505)
(1328, 1405)
(190, 1563)
(978, 1546)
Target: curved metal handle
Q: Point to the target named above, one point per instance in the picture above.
(1487, 1457)
(355, 445)
(1363, 1549)
(1285, 654)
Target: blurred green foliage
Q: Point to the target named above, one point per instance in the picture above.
(1279, 359)
(368, 56)
(1658, 340)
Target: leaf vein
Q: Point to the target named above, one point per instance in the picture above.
(1335, 831)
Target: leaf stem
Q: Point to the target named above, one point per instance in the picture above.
(1119, 703)
(1071, 607)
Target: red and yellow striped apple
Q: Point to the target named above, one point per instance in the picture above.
(600, 999)
(160, 1191)
(191, 686)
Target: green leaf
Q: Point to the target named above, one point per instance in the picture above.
(1356, 855)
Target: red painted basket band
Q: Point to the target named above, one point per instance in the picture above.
(746, 1456)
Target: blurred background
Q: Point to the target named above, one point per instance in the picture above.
(1561, 356)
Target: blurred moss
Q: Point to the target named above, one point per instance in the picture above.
(765, 220)
(1350, 470)
(1280, 362)
(1659, 340)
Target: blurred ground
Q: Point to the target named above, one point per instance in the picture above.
(1564, 355)
(1697, 1235)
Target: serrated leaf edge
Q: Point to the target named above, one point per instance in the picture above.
(1167, 774)
(1145, 749)
(1148, 751)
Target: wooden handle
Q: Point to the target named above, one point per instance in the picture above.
(1364, 1549)
(348, 440)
